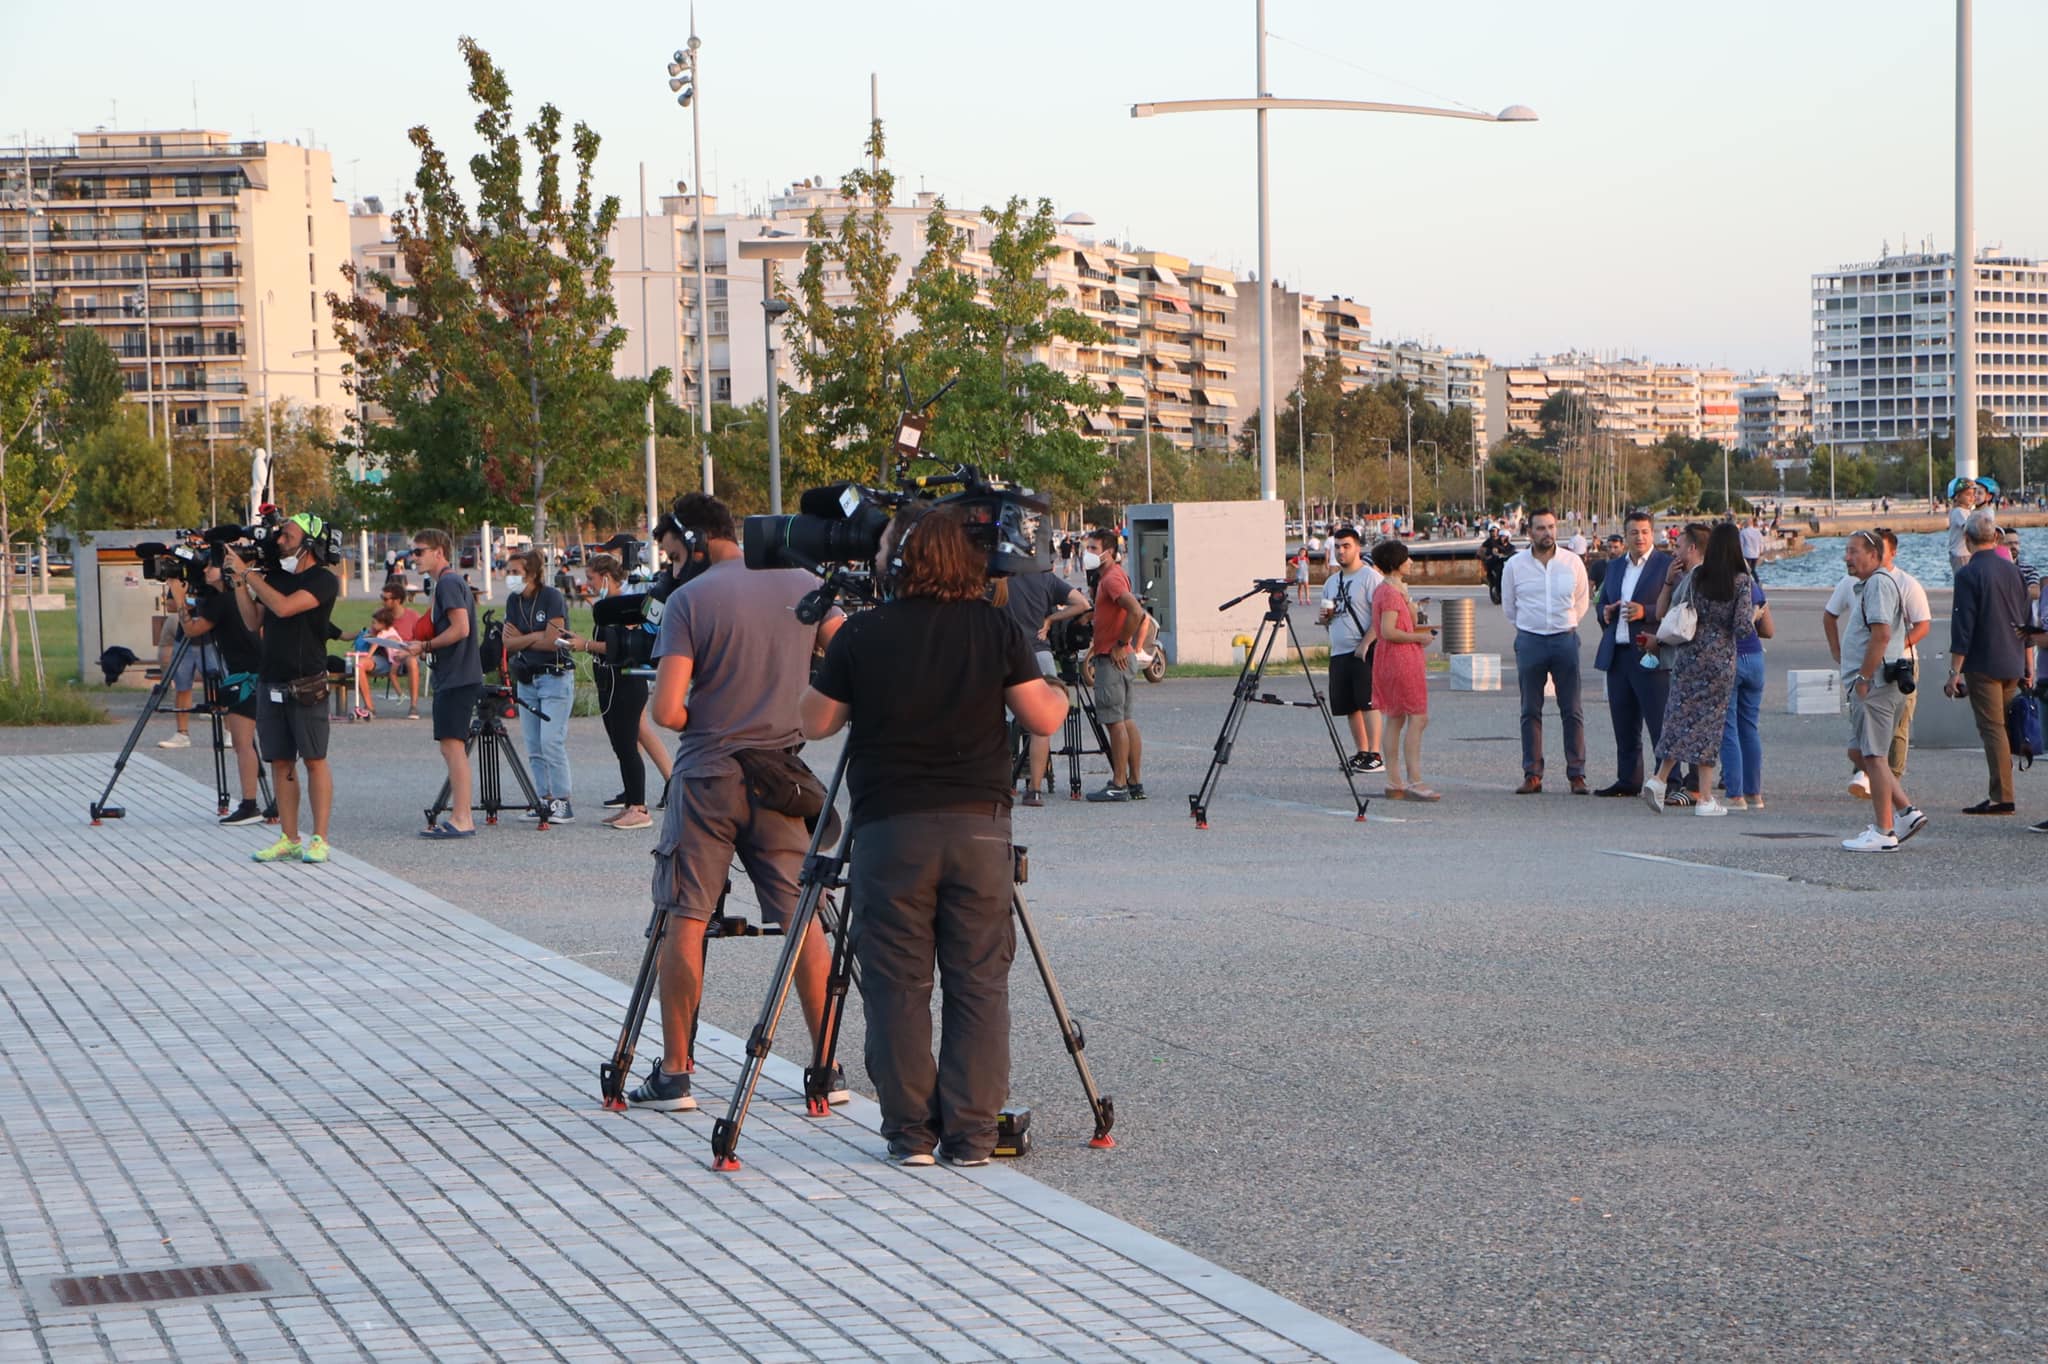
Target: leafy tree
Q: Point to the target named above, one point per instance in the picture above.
(35, 478)
(120, 477)
(1685, 489)
(1521, 473)
(92, 384)
(842, 424)
(1004, 408)
(495, 361)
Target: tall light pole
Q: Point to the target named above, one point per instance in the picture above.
(1963, 411)
(1436, 453)
(1325, 435)
(1301, 456)
(646, 354)
(682, 73)
(770, 247)
(1408, 519)
(1262, 104)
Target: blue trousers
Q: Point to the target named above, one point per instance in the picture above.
(547, 741)
(1742, 744)
(1555, 657)
(1635, 698)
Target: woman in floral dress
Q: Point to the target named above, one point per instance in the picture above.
(1703, 675)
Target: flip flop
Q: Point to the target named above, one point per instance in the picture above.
(446, 830)
(1422, 793)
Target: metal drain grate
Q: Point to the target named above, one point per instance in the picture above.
(170, 1284)
(1788, 835)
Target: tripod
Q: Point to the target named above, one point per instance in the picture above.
(825, 872)
(1271, 625)
(213, 708)
(1072, 740)
(491, 745)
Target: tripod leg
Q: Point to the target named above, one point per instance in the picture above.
(502, 747)
(613, 1074)
(820, 874)
(1358, 802)
(1240, 703)
(1070, 1032)
(100, 809)
(818, 1075)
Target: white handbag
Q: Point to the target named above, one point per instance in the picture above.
(1682, 621)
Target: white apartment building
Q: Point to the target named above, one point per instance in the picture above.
(203, 261)
(1776, 414)
(1642, 401)
(1883, 354)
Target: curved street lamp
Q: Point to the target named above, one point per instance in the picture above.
(1262, 105)
(682, 82)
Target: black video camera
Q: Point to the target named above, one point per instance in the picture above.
(843, 524)
(627, 624)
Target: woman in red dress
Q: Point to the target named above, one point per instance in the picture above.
(1400, 682)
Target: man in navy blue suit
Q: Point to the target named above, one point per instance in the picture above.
(1628, 609)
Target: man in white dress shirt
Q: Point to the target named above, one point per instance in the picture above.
(1544, 595)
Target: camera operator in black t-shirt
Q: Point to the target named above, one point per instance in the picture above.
(216, 617)
(924, 678)
(293, 607)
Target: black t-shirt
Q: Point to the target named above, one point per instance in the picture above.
(296, 646)
(1033, 597)
(240, 652)
(925, 680)
(528, 614)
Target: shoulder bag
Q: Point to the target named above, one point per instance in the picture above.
(1682, 621)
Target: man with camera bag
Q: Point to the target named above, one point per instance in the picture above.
(924, 679)
(1347, 611)
(731, 663)
(293, 606)
(458, 673)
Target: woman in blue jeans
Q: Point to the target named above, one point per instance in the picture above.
(536, 622)
(1742, 745)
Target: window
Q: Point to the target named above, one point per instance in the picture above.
(721, 389)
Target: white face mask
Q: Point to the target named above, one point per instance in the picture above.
(289, 563)
(1090, 560)
(515, 583)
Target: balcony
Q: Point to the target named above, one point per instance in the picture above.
(1169, 350)
(60, 233)
(162, 151)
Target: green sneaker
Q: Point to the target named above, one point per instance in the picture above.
(284, 850)
(316, 850)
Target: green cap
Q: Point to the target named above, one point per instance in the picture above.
(309, 523)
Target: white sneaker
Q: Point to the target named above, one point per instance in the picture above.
(1653, 794)
(1872, 839)
(1710, 808)
(175, 741)
(1859, 786)
(1908, 822)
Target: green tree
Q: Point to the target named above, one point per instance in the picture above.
(92, 384)
(120, 477)
(495, 361)
(1005, 411)
(842, 424)
(1521, 473)
(1685, 489)
(35, 477)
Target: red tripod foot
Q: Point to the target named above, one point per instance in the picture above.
(725, 1164)
(1103, 1142)
(615, 1105)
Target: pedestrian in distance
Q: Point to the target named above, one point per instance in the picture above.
(925, 679)
(1637, 684)
(544, 677)
(1742, 743)
(291, 608)
(1871, 647)
(1119, 621)
(1703, 675)
(1544, 595)
(1301, 576)
(1347, 611)
(1965, 499)
(1400, 677)
(622, 702)
(1988, 657)
(1037, 602)
(1919, 617)
(454, 648)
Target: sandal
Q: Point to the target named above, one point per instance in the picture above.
(446, 830)
(1395, 793)
(1422, 793)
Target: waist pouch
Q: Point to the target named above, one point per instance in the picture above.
(236, 688)
(308, 691)
(779, 780)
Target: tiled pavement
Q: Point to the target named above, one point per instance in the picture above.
(204, 1060)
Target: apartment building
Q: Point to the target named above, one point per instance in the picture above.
(1776, 413)
(204, 261)
(1642, 401)
(1883, 352)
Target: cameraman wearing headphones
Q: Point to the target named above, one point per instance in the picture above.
(731, 664)
(216, 618)
(924, 678)
(293, 607)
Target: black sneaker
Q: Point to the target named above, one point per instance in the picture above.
(617, 802)
(838, 1093)
(1109, 793)
(1678, 798)
(663, 1092)
(1137, 790)
(270, 813)
(1374, 763)
(1033, 800)
(245, 813)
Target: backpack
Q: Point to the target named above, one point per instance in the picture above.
(2023, 728)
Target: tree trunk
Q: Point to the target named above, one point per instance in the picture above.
(8, 626)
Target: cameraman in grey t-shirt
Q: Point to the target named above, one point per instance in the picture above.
(458, 673)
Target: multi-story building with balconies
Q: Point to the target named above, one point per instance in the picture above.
(1884, 355)
(1776, 413)
(202, 260)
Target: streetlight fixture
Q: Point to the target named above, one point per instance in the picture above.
(1263, 104)
(683, 82)
(768, 248)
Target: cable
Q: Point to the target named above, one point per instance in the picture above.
(1376, 75)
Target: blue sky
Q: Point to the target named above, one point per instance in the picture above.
(1694, 163)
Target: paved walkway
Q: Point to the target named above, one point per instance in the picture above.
(325, 1069)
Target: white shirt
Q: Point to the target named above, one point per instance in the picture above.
(1360, 584)
(1752, 543)
(1624, 628)
(1544, 599)
(1577, 544)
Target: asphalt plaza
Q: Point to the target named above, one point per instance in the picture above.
(1482, 1080)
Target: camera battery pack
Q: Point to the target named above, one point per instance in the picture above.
(1013, 1133)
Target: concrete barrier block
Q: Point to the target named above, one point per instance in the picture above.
(1813, 691)
(1475, 672)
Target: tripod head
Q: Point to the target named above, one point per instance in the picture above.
(1276, 590)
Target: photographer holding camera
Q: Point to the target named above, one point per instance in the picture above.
(924, 679)
(458, 673)
(623, 702)
(216, 619)
(544, 675)
(200, 662)
(293, 607)
(731, 663)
